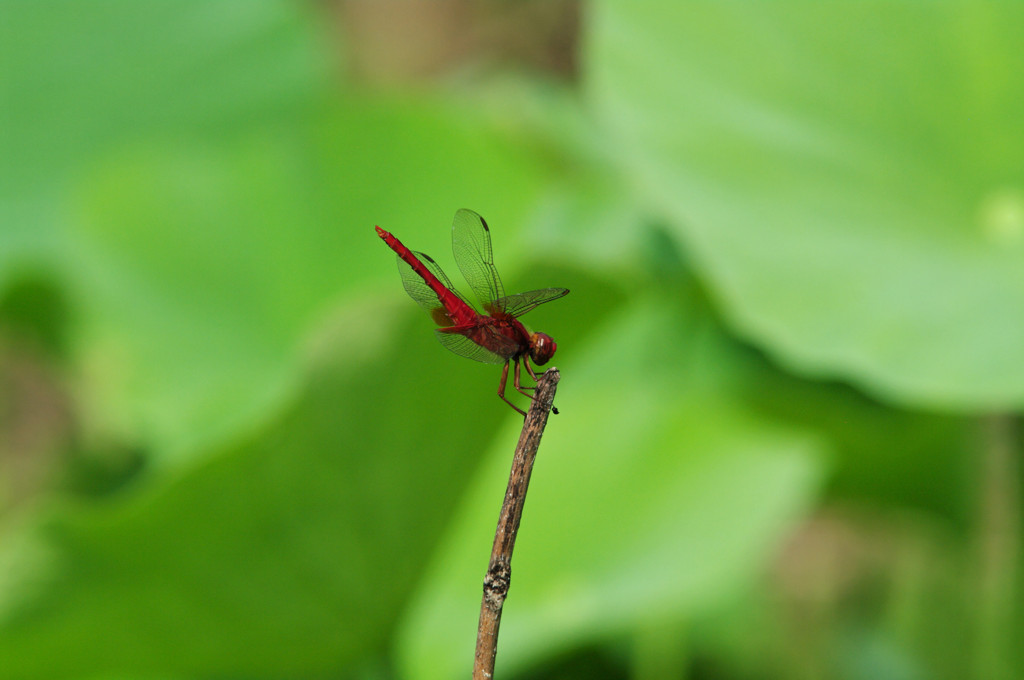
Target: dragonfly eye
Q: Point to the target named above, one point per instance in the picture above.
(542, 348)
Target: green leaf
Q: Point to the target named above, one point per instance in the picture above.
(849, 178)
(204, 266)
(80, 81)
(288, 554)
(97, 103)
(653, 496)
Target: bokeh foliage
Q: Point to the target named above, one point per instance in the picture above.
(794, 235)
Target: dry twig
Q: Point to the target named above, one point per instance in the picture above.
(499, 572)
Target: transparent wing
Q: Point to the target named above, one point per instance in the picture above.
(521, 303)
(455, 339)
(471, 245)
(423, 294)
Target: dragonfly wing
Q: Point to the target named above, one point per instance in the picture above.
(471, 245)
(456, 338)
(521, 303)
(419, 291)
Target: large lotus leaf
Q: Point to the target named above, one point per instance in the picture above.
(848, 176)
(79, 80)
(289, 553)
(653, 496)
(208, 199)
(202, 267)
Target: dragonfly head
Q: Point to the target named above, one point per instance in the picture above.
(542, 348)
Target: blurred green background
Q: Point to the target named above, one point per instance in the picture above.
(792, 360)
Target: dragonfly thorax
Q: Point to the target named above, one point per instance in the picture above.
(542, 348)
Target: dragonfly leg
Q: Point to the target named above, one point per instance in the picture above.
(516, 382)
(522, 388)
(529, 369)
(504, 381)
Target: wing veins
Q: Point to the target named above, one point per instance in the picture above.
(471, 246)
(422, 293)
(455, 339)
(521, 303)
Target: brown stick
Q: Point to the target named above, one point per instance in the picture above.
(499, 571)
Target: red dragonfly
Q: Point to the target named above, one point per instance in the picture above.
(496, 337)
